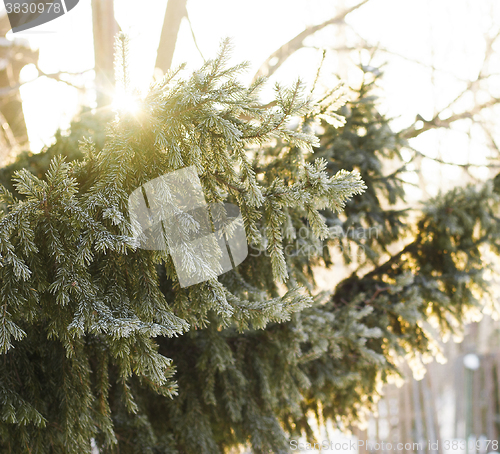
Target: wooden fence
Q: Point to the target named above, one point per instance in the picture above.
(450, 403)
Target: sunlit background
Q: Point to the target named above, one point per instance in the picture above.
(432, 51)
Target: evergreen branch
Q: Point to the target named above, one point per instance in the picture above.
(225, 183)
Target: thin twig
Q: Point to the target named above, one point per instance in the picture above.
(454, 163)
(56, 76)
(194, 36)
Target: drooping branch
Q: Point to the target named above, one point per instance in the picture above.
(287, 49)
(54, 76)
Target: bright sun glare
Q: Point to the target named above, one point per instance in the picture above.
(125, 102)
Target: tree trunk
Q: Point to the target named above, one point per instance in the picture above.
(14, 55)
(176, 10)
(105, 29)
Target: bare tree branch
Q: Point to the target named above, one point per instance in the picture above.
(465, 166)
(296, 43)
(55, 76)
(437, 122)
(194, 36)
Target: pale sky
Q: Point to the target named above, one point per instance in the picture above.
(448, 34)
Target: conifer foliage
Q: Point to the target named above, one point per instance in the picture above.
(82, 309)
(99, 341)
